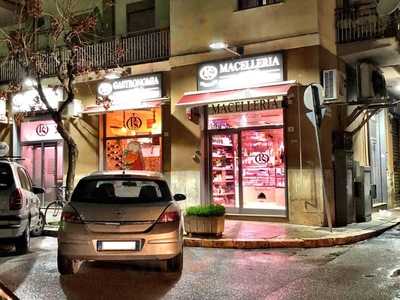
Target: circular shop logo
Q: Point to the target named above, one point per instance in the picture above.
(262, 158)
(104, 89)
(42, 130)
(208, 73)
(4, 149)
(133, 123)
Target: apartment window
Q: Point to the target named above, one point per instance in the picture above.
(245, 4)
(140, 15)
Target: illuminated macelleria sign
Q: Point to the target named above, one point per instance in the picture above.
(239, 73)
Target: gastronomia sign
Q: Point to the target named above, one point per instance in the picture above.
(150, 83)
(239, 73)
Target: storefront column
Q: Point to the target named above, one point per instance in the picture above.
(15, 141)
(204, 168)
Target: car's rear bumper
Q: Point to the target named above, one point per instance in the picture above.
(12, 228)
(77, 243)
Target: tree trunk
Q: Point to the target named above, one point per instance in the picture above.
(73, 151)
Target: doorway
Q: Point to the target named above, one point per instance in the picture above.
(378, 158)
(44, 162)
(248, 170)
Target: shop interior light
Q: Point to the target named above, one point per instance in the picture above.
(124, 130)
(243, 121)
(224, 46)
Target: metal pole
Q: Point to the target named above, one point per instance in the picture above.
(325, 196)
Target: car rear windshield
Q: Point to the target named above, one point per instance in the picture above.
(6, 177)
(121, 190)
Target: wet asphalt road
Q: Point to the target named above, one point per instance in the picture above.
(367, 270)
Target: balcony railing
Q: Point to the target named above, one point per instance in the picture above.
(363, 23)
(137, 48)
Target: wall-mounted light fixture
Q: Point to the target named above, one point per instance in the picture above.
(112, 75)
(29, 82)
(219, 45)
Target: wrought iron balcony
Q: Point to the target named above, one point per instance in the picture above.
(363, 23)
(136, 48)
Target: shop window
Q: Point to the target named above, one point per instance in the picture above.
(272, 117)
(245, 4)
(133, 140)
(140, 15)
(133, 122)
(248, 169)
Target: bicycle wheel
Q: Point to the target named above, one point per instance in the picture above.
(53, 213)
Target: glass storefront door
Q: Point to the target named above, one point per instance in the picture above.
(248, 170)
(44, 163)
(247, 161)
(263, 169)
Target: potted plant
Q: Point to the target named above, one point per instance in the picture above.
(208, 220)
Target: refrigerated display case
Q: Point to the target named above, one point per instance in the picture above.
(224, 169)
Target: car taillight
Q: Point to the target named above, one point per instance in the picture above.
(16, 200)
(70, 217)
(169, 216)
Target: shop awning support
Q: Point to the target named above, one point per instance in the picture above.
(371, 108)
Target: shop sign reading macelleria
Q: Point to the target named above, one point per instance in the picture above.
(244, 105)
(240, 73)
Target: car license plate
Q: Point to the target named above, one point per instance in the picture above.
(118, 245)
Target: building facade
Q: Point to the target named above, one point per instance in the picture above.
(225, 126)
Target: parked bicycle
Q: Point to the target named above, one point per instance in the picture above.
(54, 209)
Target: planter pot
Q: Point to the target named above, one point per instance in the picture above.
(204, 225)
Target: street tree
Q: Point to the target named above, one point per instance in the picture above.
(66, 36)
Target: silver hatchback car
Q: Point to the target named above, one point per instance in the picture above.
(121, 216)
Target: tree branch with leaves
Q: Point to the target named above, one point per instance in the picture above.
(65, 41)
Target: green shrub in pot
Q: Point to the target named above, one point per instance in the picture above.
(209, 220)
(212, 210)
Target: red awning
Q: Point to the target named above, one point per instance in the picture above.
(203, 98)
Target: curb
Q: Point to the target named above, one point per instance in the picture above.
(286, 243)
(276, 243)
(6, 293)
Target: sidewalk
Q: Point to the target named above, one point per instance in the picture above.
(261, 235)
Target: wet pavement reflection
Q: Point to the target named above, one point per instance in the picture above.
(367, 270)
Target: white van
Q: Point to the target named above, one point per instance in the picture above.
(20, 214)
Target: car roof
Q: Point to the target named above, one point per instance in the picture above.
(10, 162)
(128, 173)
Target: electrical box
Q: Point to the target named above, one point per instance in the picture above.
(362, 193)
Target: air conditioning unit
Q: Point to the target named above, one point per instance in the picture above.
(333, 83)
(371, 82)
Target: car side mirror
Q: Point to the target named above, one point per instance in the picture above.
(38, 190)
(179, 197)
